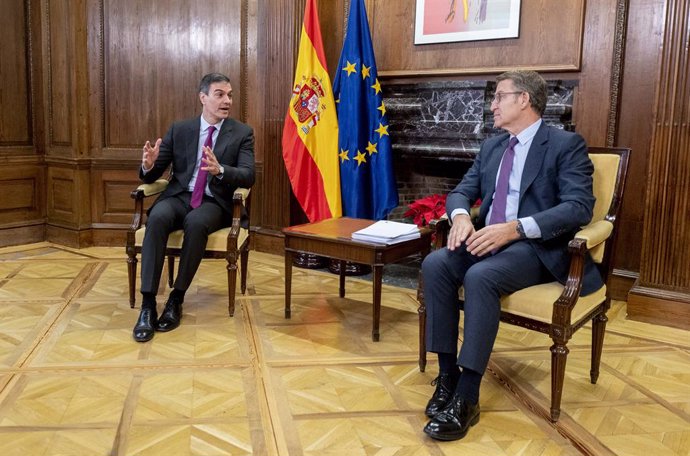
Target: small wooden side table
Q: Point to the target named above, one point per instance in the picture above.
(332, 238)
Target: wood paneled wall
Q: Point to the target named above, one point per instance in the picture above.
(551, 35)
(662, 292)
(22, 176)
(85, 82)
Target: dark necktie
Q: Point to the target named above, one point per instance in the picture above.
(498, 208)
(200, 184)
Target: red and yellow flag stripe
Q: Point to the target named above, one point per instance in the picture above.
(310, 133)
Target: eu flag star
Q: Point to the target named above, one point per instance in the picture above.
(372, 148)
(377, 86)
(381, 108)
(382, 130)
(361, 158)
(350, 68)
(365, 71)
(343, 155)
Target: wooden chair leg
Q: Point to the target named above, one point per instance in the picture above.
(171, 270)
(232, 283)
(559, 356)
(132, 276)
(421, 311)
(598, 331)
(244, 261)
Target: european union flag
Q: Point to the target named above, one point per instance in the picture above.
(367, 181)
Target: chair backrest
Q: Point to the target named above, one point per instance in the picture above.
(610, 170)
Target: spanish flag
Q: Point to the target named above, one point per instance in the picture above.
(310, 134)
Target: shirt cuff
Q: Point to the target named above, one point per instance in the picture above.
(531, 228)
(144, 170)
(458, 211)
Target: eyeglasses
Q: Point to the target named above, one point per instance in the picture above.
(498, 96)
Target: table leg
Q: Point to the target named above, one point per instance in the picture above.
(288, 282)
(343, 265)
(378, 275)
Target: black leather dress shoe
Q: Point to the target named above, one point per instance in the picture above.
(171, 316)
(442, 395)
(453, 422)
(144, 327)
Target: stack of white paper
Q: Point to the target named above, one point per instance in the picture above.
(387, 232)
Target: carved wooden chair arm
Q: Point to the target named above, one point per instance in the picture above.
(440, 227)
(239, 199)
(563, 307)
(138, 195)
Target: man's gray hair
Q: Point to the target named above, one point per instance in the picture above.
(530, 82)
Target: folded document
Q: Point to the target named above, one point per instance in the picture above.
(387, 232)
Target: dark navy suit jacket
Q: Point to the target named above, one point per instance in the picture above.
(556, 190)
(234, 150)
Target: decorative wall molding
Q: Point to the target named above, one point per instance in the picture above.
(617, 70)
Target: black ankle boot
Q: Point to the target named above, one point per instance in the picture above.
(442, 394)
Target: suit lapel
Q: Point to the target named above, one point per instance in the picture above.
(223, 139)
(534, 160)
(494, 163)
(193, 143)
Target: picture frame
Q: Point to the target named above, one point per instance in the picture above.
(444, 21)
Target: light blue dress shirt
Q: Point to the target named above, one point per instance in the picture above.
(530, 226)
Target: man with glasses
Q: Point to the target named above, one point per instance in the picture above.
(535, 183)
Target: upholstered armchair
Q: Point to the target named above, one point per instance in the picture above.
(230, 243)
(555, 309)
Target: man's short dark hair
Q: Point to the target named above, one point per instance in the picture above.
(530, 82)
(211, 78)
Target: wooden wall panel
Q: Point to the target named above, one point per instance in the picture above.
(550, 39)
(15, 95)
(61, 64)
(154, 56)
(281, 39)
(22, 183)
(112, 203)
(643, 40)
(662, 293)
(22, 193)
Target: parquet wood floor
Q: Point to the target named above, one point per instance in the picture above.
(72, 381)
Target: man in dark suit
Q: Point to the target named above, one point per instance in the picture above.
(211, 156)
(535, 183)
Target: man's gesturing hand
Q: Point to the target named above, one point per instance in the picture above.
(150, 154)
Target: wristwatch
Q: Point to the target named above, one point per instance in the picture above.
(520, 230)
(221, 170)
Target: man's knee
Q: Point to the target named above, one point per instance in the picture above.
(434, 263)
(479, 277)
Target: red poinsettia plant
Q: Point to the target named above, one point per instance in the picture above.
(426, 209)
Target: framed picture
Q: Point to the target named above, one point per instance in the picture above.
(442, 21)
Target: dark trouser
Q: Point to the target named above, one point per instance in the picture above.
(484, 279)
(172, 214)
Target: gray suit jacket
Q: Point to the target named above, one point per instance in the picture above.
(234, 150)
(556, 190)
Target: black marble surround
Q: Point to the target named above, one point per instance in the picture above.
(436, 129)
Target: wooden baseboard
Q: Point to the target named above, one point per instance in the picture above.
(658, 306)
(27, 234)
(69, 237)
(621, 282)
(109, 237)
(268, 241)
